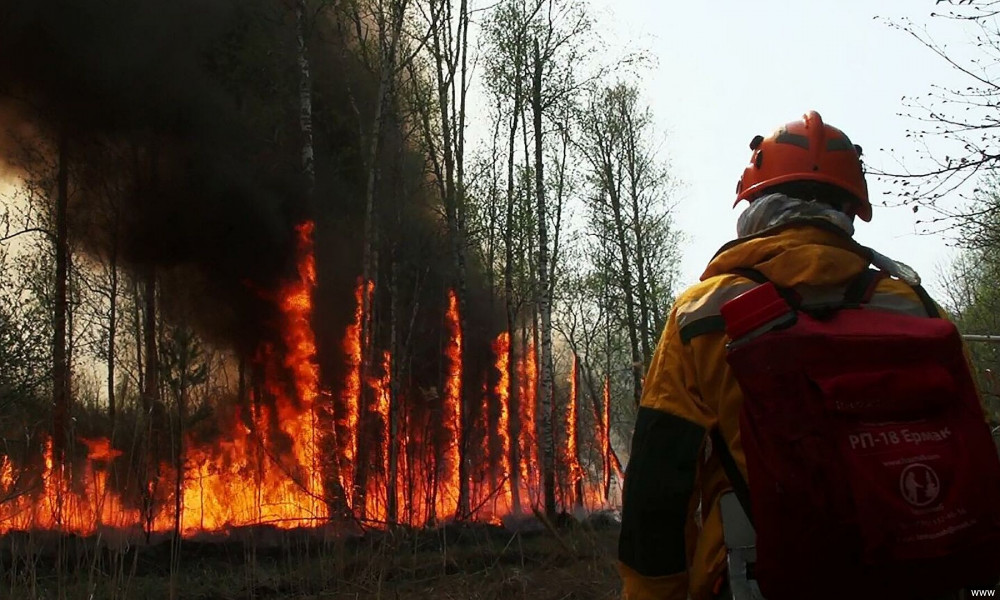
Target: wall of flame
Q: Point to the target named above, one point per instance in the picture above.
(246, 477)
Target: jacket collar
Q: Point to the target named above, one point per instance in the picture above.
(803, 251)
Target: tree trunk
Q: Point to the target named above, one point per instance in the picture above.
(621, 234)
(508, 286)
(309, 177)
(150, 398)
(241, 387)
(630, 141)
(137, 321)
(451, 103)
(112, 332)
(385, 89)
(179, 458)
(513, 385)
(576, 472)
(305, 101)
(151, 393)
(560, 197)
(544, 295)
(606, 438)
(178, 443)
(60, 360)
(392, 515)
(459, 243)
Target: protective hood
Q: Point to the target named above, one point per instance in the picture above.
(793, 242)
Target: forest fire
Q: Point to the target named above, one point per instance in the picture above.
(268, 467)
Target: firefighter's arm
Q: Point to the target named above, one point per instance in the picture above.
(659, 528)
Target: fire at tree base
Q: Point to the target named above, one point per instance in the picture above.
(296, 456)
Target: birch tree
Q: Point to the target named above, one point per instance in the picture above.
(629, 207)
(302, 30)
(557, 49)
(389, 18)
(506, 52)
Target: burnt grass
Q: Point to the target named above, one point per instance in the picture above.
(565, 560)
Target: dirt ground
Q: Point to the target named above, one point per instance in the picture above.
(573, 562)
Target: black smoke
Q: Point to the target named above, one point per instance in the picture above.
(188, 111)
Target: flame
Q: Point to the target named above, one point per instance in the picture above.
(266, 466)
(570, 456)
(528, 444)
(100, 449)
(348, 426)
(605, 437)
(6, 475)
(501, 347)
(452, 408)
(378, 486)
(225, 484)
(299, 422)
(484, 475)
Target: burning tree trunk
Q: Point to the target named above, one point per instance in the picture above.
(149, 469)
(544, 295)
(507, 468)
(449, 48)
(513, 423)
(528, 410)
(453, 413)
(389, 34)
(60, 360)
(573, 470)
(181, 357)
(504, 31)
(339, 499)
(347, 428)
(508, 283)
(606, 438)
(392, 512)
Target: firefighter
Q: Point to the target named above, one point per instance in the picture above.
(805, 186)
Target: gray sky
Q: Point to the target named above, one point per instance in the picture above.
(726, 70)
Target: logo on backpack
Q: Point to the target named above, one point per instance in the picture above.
(919, 484)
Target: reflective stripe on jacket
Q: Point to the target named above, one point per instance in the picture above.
(671, 541)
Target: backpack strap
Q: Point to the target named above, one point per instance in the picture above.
(788, 294)
(750, 273)
(736, 479)
(861, 289)
(857, 292)
(925, 299)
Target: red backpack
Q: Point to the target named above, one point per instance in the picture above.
(872, 472)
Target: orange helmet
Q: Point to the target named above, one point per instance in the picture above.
(805, 150)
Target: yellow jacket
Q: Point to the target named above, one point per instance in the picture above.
(671, 542)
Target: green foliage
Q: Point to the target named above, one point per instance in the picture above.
(973, 297)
